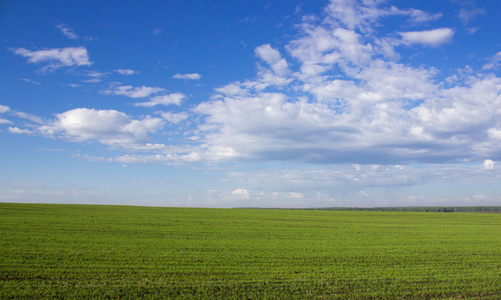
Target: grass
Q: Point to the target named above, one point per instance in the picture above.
(85, 251)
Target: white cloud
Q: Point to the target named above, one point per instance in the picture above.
(488, 164)
(191, 76)
(109, 127)
(24, 115)
(494, 62)
(57, 57)
(19, 131)
(419, 16)
(170, 99)
(346, 99)
(174, 118)
(296, 195)
(240, 194)
(4, 121)
(68, 32)
(134, 92)
(350, 105)
(126, 72)
(4, 109)
(273, 58)
(434, 38)
(232, 89)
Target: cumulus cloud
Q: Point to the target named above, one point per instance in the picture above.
(109, 127)
(191, 76)
(19, 130)
(273, 58)
(56, 57)
(240, 194)
(434, 38)
(488, 164)
(346, 99)
(170, 99)
(349, 104)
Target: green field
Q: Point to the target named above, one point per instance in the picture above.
(85, 251)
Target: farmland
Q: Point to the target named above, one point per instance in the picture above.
(87, 251)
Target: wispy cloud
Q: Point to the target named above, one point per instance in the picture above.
(493, 62)
(134, 92)
(469, 14)
(56, 57)
(434, 38)
(191, 76)
(126, 72)
(31, 81)
(170, 99)
(157, 31)
(68, 32)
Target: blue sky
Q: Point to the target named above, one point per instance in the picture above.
(251, 103)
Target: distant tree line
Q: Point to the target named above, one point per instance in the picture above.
(420, 208)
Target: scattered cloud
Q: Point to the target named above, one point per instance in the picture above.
(170, 99)
(273, 58)
(469, 14)
(31, 81)
(68, 32)
(434, 38)
(488, 164)
(191, 76)
(109, 127)
(134, 92)
(126, 72)
(4, 121)
(95, 76)
(56, 57)
(240, 194)
(19, 131)
(174, 118)
(419, 16)
(346, 99)
(4, 109)
(30, 117)
(494, 62)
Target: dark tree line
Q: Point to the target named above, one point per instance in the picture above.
(421, 208)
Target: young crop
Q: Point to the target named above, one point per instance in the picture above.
(84, 251)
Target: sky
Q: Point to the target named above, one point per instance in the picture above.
(341, 103)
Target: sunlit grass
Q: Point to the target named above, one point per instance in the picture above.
(79, 251)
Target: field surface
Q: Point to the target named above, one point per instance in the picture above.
(85, 251)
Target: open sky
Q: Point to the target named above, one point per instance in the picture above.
(271, 103)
